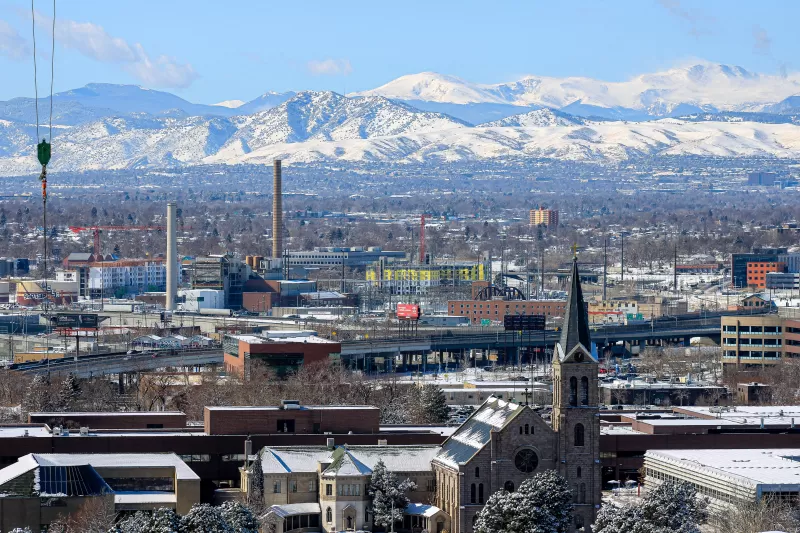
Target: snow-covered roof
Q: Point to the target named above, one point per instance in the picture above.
(421, 509)
(749, 467)
(121, 498)
(110, 460)
(361, 459)
(295, 509)
(345, 464)
(475, 432)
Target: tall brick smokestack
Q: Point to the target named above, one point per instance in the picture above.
(277, 211)
(172, 256)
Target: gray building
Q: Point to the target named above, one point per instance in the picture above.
(331, 257)
(783, 280)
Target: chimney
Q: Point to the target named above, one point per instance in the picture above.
(277, 211)
(172, 257)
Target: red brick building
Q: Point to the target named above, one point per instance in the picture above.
(282, 351)
(478, 310)
(757, 272)
(291, 417)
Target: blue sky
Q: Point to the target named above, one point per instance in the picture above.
(207, 51)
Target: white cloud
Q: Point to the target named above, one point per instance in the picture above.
(12, 44)
(330, 67)
(762, 42)
(92, 41)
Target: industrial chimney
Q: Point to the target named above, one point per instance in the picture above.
(277, 211)
(172, 257)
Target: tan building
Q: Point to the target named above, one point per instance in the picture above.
(613, 311)
(495, 310)
(39, 488)
(759, 340)
(544, 217)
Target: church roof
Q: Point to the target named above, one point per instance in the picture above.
(476, 431)
(576, 322)
(360, 460)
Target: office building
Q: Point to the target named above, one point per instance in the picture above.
(757, 272)
(759, 340)
(126, 277)
(783, 280)
(766, 179)
(739, 263)
(613, 311)
(544, 217)
(729, 478)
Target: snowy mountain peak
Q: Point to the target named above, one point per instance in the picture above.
(540, 118)
(230, 104)
(432, 86)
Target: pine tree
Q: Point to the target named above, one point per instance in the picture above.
(257, 480)
(542, 504)
(389, 499)
(36, 397)
(670, 508)
(69, 393)
(161, 520)
(239, 518)
(203, 518)
(433, 408)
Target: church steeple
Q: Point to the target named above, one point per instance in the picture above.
(576, 323)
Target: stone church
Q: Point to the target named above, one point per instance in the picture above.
(498, 447)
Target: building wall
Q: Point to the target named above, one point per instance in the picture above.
(115, 421)
(243, 421)
(757, 272)
(546, 217)
(282, 356)
(758, 340)
(496, 309)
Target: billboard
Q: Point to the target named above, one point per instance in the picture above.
(408, 311)
(76, 320)
(524, 322)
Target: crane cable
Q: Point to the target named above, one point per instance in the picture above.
(43, 149)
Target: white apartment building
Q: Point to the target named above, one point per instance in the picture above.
(130, 276)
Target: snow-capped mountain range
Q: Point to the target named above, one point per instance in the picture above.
(423, 118)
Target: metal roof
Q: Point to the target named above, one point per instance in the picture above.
(476, 431)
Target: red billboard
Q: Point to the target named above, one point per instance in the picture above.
(408, 311)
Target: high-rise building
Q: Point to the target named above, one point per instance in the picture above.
(757, 272)
(544, 217)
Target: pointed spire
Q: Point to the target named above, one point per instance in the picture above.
(576, 323)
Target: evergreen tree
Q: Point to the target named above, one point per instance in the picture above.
(542, 504)
(257, 480)
(433, 408)
(69, 392)
(203, 518)
(389, 498)
(36, 397)
(20, 530)
(239, 518)
(670, 508)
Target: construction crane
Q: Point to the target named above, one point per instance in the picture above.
(97, 229)
(422, 239)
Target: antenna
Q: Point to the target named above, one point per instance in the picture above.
(605, 266)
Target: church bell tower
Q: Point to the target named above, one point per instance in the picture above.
(576, 407)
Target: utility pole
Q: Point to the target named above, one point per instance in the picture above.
(622, 258)
(605, 266)
(541, 273)
(675, 269)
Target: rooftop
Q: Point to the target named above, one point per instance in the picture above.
(749, 467)
(360, 459)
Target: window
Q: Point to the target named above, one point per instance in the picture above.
(582, 497)
(312, 486)
(578, 472)
(579, 433)
(328, 491)
(285, 426)
(293, 485)
(584, 390)
(276, 487)
(328, 514)
(480, 493)
(477, 471)
(472, 493)
(527, 428)
(573, 391)
(508, 486)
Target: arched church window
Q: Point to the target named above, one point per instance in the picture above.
(573, 391)
(526, 428)
(584, 390)
(472, 493)
(480, 493)
(509, 486)
(578, 472)
(328, 515)
(579, 435)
